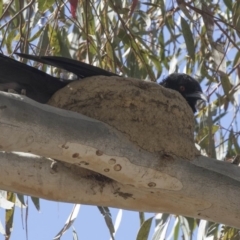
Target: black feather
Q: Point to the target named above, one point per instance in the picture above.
(81, 69)
(39, 86)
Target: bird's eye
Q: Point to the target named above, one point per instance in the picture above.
(182, 89)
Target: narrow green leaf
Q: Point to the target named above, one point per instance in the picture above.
(212, 229)
(236, 144)
(17, 5)
(208, 20)
(43, 5)
(21, 198)
(1, 8)
(144, 230)
(228, 3)
(72, 217)
(236, 59)
(74, 233)
(36, 202)
(176, 229)
(162, 224)
(36, 35)
(9, 214)
(227, 86)
(192, 224)
(236, 12)
(188, 37)
(9, 40)
(108, 219)
(237, 25)
(43, 41)
(54, 39)
(184, 227)
(141, 217)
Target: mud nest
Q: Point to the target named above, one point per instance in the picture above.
(153, 117)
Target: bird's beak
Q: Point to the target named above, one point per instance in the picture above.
(198, 95)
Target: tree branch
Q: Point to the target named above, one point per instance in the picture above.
(27, 126)
(204, 194)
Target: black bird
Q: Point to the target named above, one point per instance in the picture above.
(40, 86)
(187, 86)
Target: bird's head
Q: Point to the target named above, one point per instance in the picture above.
(187, 86)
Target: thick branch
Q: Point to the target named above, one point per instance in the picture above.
(204, 194)
(160, 182)
(27, 126)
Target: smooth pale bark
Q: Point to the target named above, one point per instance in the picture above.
(142, 180)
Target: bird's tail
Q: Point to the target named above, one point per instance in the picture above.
(81, 69)
(20, 77)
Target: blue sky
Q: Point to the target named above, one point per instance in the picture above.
(52, 216)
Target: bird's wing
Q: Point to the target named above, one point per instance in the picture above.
(81, 69)
(18, 76)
